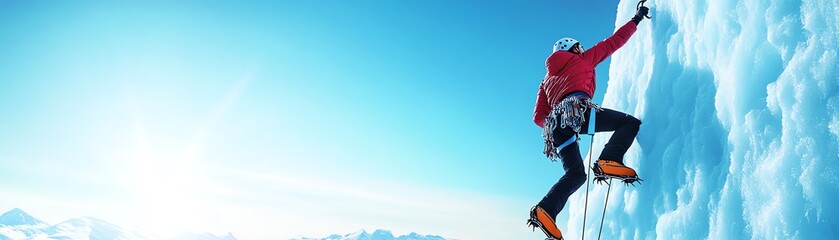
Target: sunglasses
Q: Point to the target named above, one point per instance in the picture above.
(577, 46)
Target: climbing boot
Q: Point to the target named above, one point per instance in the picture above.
(540, 218)
(614, 169)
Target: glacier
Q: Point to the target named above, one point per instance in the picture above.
(740, 136)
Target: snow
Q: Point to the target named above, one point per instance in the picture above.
(205, 236)
(16, 217)
(376, 235)
(90, 228)
(740, 136)
(27, 227)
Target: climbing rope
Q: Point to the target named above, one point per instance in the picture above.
(588, 170)
(604, 209)
(605, 204)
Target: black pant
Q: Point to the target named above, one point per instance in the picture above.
(625, 127)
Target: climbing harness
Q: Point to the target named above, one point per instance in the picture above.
(570, 112)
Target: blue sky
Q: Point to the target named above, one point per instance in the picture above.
(110, 106)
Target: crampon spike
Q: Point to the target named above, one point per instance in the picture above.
(533, 223)
(600, 177)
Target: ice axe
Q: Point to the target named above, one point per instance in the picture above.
(641, 4)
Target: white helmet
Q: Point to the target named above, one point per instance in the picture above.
(564, 44)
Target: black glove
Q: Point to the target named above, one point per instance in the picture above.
(639, 15)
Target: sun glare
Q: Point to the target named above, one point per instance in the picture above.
(163, 187)
(164, 175)
(160, 179)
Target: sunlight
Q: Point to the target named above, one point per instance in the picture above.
(296, 200)
(166, 180)
(160, 181)
(164, 190)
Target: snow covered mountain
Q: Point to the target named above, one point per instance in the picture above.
(376, 235)
(18, 225)
(205, 236)
(17, 217)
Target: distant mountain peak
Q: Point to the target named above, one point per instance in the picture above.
(376, 235)
(205, 236)
(17, 224)
(17, 217)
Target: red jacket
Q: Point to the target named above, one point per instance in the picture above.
(568, 72)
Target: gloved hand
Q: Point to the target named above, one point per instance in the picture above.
(639, 15)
